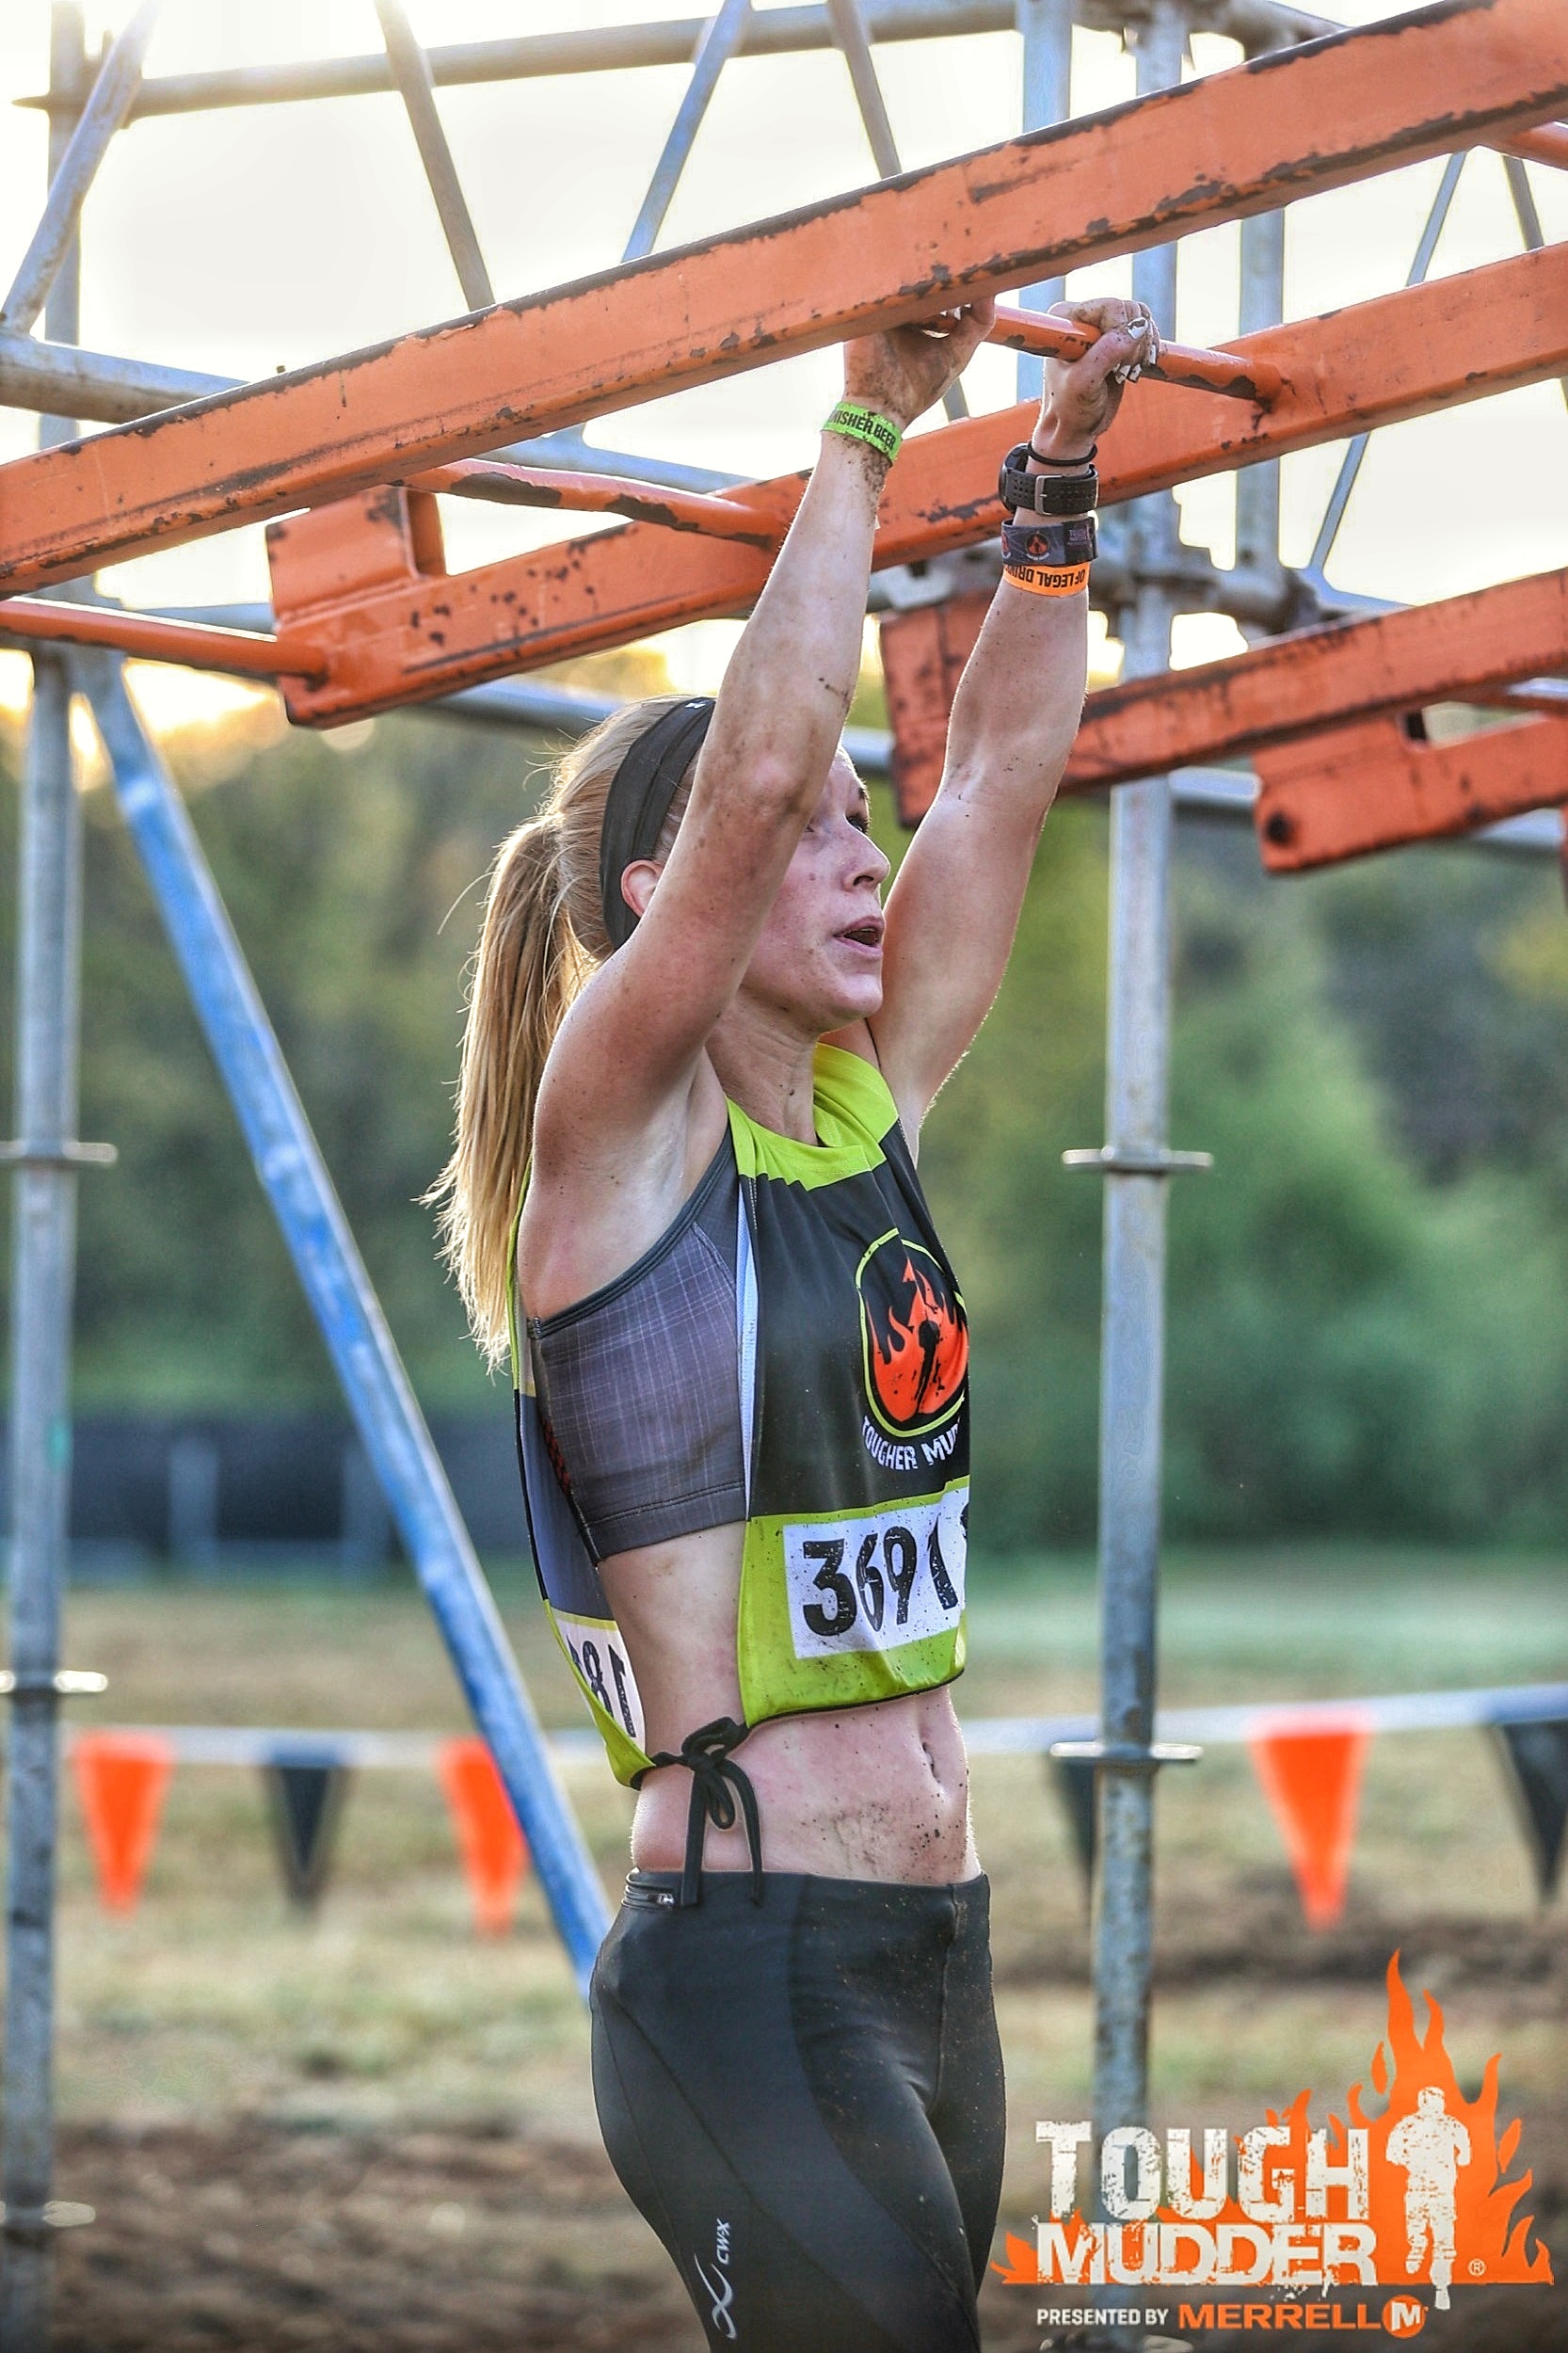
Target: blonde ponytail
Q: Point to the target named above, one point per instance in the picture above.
(542, 940)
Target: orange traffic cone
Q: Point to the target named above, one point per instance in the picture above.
(494, 1854)
(121, 1780)
(1311, 1776)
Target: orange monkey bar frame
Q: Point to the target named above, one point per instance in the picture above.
(363, 584)
(1380, 786)
(1287, 124)
(1457, 649)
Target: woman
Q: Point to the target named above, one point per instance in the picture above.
(698, 1055)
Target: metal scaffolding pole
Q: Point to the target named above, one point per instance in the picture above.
(43, 1257)
(410, 70)
(1257, 487)
(1137, 1164)
(1046, 30)
(364, 1355)
(611, 48)
(71, 174)
(1339, 497)
(720, 40)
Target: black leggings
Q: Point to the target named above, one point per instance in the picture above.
(805, 2098)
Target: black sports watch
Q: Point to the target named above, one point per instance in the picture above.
(1045, 493)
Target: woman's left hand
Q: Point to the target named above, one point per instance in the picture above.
(902, 373)
(1081, 396)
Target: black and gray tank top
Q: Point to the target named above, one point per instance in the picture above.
(793, 1355)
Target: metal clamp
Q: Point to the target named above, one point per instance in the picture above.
(57, 2214)
(1114, 1160)
(1128, 1756)
(26, 1155)
(68, 1683)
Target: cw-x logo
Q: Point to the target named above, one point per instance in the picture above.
(722, 2290)
(1423, 2187)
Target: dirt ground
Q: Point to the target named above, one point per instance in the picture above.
(258, 2239)
(257, 2235)
(367, 2128)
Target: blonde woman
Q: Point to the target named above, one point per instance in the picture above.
(697, 1058)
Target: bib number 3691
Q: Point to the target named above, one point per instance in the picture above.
(874, 1582)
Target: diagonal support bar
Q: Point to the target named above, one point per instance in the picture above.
(411, 71)
(375, 1387)
(1284, 125)
(113, 95)
(721, 37)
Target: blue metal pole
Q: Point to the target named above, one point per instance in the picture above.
(294, 1176)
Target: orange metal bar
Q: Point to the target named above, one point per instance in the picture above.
(1179, 363)
(240, 652)
(1289, 687)
(1546, 144)
(1373, 363)
(598, 494)
(923, 653)
(1374, 787)
(1284, 125)
(1292, 685)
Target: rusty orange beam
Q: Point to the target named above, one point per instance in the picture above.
(241, 653)
(598, 494)
(391, 640)
(1346, 670)
(1201, 371)
(1284, 125)
(1546, 144)
(1290, 687)
(1375, 786)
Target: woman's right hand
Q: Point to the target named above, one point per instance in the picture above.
(902, 373)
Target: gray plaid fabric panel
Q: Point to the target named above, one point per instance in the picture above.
(639, 1385)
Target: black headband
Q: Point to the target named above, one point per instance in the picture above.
(639, 800)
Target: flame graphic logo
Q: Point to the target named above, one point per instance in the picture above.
(1442, 2189)
(914, 1336)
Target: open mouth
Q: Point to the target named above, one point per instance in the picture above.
(866, 935)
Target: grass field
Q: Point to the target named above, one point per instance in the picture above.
(419, 2077)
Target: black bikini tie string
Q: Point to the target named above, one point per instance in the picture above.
(715, 1773)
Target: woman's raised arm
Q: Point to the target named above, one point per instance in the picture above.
(952, 912)
(630, 1046)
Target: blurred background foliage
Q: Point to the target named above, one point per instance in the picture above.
(1367, 1328)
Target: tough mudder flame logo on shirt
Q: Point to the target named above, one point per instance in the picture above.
(914, 1336)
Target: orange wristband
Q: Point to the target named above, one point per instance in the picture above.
(1041, 579)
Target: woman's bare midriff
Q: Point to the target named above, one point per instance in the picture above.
(879, 1792)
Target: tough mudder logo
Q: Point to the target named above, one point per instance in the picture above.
(915, 1338)
(1424, 2190)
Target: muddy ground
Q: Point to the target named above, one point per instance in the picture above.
(261, 2235)
(258, 2239)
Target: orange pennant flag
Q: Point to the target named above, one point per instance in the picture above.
(121, 1781)
(494, 1854)
(1311, 1775)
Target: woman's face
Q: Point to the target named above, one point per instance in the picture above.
(819, 960)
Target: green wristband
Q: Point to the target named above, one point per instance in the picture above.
(866, 425)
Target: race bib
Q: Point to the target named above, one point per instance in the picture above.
(599, 1657)
(879, 1579)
